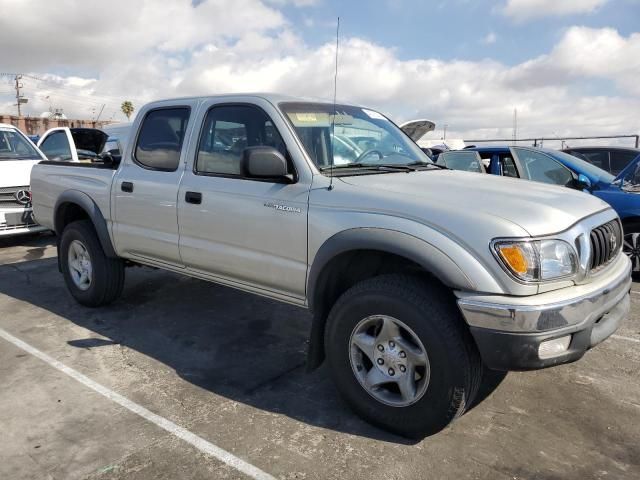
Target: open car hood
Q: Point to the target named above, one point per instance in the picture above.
(416, 129)
(90, 139)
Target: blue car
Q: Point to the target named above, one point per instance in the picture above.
(558, 168)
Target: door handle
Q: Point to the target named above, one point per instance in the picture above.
(126, 187)
(193, 197)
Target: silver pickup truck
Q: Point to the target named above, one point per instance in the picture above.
(418, 277)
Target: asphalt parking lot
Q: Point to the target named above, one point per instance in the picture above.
(227, 369)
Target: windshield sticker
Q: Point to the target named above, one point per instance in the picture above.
(372, 114)
(6, 129)
(306, 117)
(309, 119)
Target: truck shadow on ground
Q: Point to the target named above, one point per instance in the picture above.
(241, 346)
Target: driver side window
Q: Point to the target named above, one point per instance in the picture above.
(541, 168)
(160, 139)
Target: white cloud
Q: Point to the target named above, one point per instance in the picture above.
(256, 49)
(585, 53)
(521, 10)
(295, 3)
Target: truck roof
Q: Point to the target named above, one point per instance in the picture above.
(270, 97)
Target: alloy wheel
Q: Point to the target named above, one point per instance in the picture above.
(80, 266)
(389, 360)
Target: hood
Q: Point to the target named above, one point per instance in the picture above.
(16, 173)
(90, 139)
(460, 201)
(416, 129)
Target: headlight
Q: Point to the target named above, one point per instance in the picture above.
(538, 260)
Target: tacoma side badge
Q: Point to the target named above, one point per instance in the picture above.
(284, 208)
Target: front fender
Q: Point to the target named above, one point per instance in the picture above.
(431, 258)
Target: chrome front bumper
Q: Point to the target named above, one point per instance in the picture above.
(508, 330)
(18, 220)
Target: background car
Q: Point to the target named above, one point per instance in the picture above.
(611, 159)
(17, 156)
(72, 144)
(622, 192)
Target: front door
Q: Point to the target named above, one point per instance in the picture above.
(145, 188)
(246, 232)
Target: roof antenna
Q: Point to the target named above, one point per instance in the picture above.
(333, 118)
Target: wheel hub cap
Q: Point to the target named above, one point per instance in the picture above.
(389, 360)
(80, 267)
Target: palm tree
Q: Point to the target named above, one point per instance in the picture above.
(127, 108)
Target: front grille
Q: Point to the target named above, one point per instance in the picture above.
(8, 195)
(606, 241)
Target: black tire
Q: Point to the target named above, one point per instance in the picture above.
(630, 247)
(107, 277)
(429, 309)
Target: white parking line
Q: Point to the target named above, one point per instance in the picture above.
(191, 438)
(628, 339)
(634, 292)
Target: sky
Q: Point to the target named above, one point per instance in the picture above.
(569, 67)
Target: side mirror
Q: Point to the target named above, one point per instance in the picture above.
(583, 182)
(265, 162)
(109, 158)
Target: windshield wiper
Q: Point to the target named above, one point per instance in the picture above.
(370, 166)
(344, 166)
(425, 164)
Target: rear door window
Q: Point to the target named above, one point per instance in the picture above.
(161, 137)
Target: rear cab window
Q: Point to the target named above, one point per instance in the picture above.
(161, 137)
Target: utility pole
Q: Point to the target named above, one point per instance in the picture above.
(103, 105)
(444, 132)
(515, 125)
(18, 96)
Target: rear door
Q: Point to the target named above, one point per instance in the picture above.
(145, 189)
(246, 232)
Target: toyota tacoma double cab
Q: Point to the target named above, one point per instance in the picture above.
(418, 278)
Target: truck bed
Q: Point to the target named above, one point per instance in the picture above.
(50, 179)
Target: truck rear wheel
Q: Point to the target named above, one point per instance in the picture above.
(92, 278)
(401, 356)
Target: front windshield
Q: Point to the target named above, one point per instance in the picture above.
(358, 136)
(15, 146)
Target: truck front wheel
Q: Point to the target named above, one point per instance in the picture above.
(401, 356)
(92, 278)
